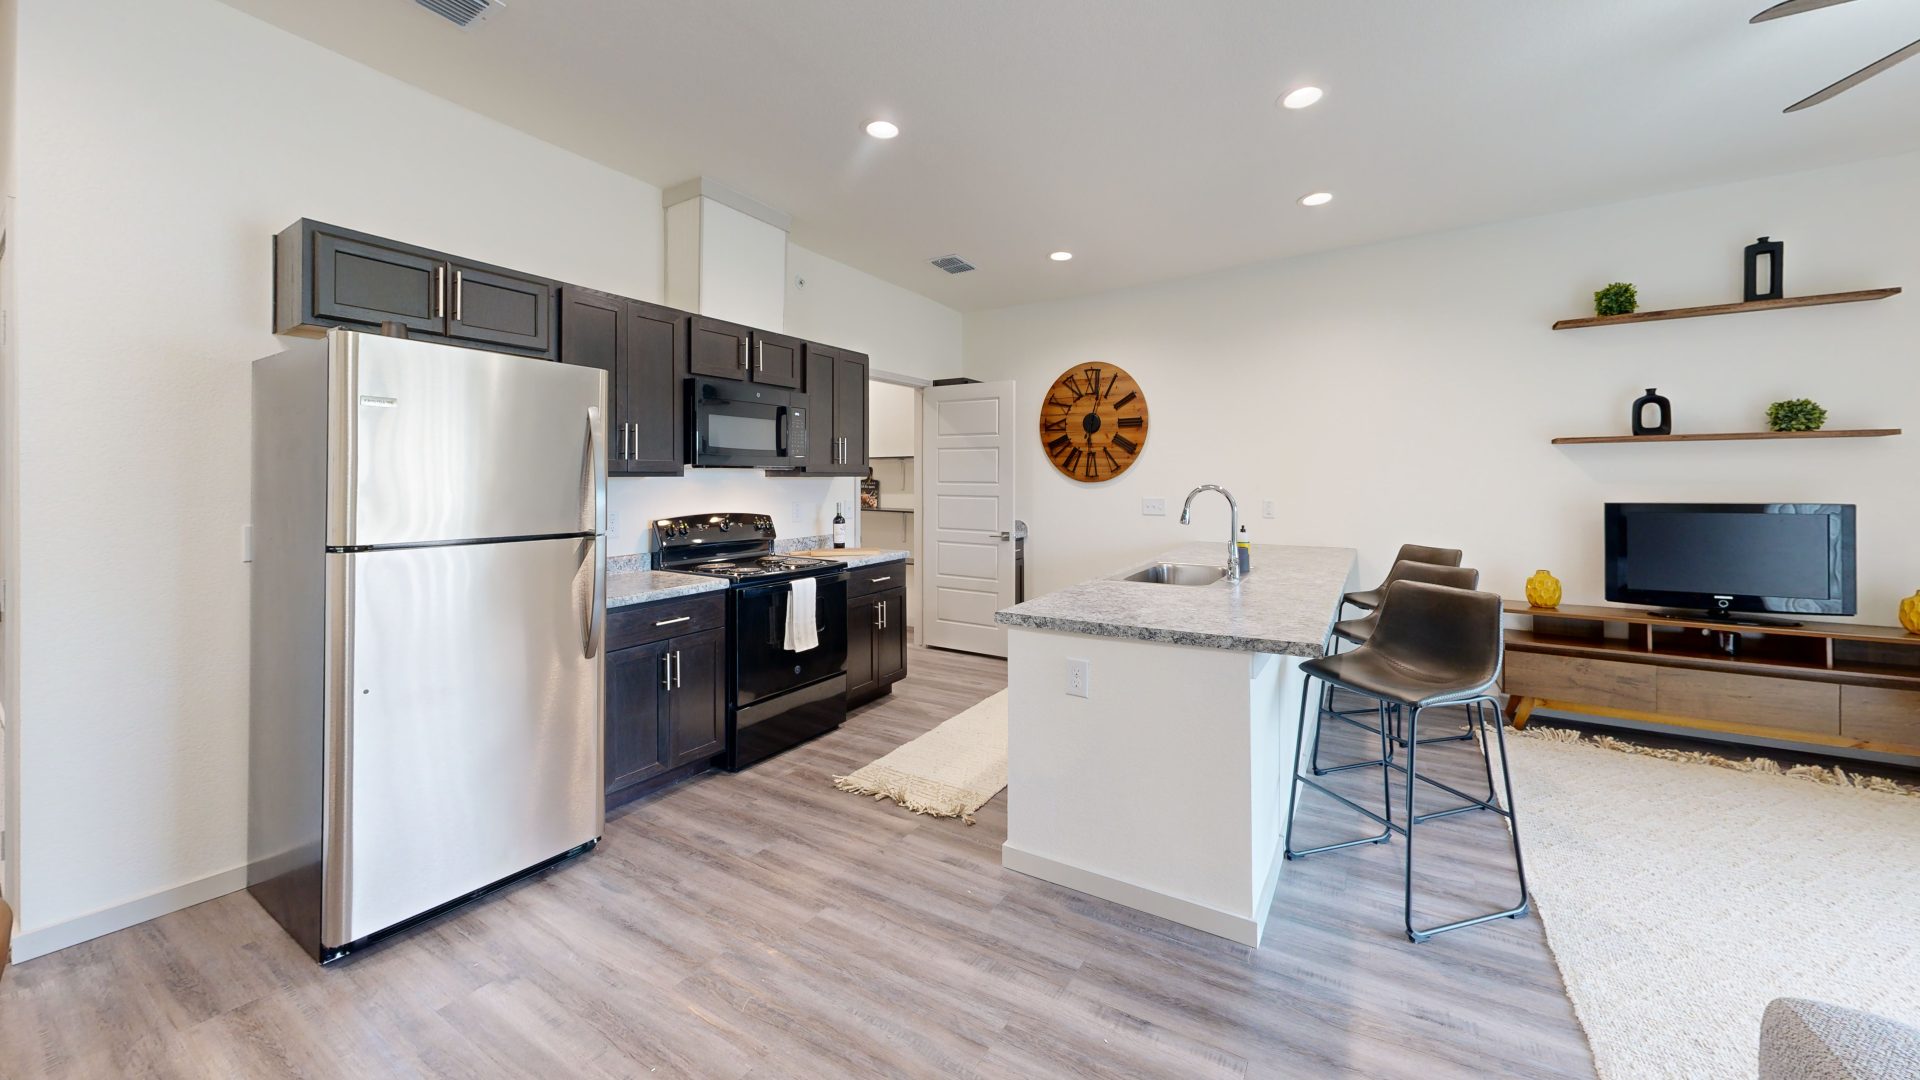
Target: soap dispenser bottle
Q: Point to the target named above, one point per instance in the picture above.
(1243, 549)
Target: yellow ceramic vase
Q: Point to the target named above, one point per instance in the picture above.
(1910, 613)
(1543, 590)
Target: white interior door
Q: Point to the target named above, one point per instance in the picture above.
(967, 435)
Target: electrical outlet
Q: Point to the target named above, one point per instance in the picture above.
(246, 543)
(1266, 509)
(800, 517)
(1078, 677)
(613, 523)
(1153, 507)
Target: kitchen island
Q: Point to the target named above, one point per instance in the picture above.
(1164, 784)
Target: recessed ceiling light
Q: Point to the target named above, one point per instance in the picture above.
(883, 129)
(1301, 98)
(1061, 256)
(1318, 198)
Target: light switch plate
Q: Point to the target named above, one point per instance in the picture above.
(1153, 507)
(1266, 509)
(1078, 677)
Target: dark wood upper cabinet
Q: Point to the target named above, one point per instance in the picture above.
(356, 281)
(640, 346)
(326, 276)
(776, 359)
(499, 309)
(651, 399)
(850, 410)
(593, 333)
(719, 350)
(836, 396)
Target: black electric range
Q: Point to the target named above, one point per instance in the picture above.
(776, 698)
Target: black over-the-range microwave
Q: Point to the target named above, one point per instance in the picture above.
(741, 425)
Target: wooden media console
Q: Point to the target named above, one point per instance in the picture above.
(1820, 684)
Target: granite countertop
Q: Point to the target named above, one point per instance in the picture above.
(630, 584)
(858, 557)
(1286, 604)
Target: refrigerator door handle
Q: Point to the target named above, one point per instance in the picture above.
(597, 460)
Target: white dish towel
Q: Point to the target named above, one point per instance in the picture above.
(802, 634)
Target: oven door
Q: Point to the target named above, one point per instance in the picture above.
(762, 665)
(742, 426)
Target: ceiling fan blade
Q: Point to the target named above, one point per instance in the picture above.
(1793, 7)
(1856, 78)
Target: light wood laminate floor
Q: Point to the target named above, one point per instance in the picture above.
(768, 925)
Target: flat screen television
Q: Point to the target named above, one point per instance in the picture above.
(1729, 558)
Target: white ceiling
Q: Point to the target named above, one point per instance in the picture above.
(1143, 135)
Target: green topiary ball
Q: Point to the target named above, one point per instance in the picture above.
(1796, 415)
(1616, 299)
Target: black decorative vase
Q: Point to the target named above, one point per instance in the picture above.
(1775, 253)
(1665, 424)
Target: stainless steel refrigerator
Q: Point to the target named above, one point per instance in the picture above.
(429, 579)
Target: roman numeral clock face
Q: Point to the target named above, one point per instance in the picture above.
(1093, 425)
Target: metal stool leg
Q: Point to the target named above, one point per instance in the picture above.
(1414, 819)
(1387, 827)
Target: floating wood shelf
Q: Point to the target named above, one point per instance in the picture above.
(1731, 436)
(1727, 309)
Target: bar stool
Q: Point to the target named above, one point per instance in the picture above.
(1433, 646)
(1369, 599)
(1356, 631)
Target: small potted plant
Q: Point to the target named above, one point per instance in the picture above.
(1798, 414)
(1618, 298)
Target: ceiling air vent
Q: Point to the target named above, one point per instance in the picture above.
(462, 13)
(953, 264)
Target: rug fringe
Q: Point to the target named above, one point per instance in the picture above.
(1819, 774)
(945, 801)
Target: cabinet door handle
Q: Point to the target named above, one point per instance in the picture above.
(666, 666)
(633, 435)
(670, 622)
(459, 286)
(440, 291)
(879, 622)
(759, 356)
(679, 665)
(884, 613)
(743, 354)
(878, 580)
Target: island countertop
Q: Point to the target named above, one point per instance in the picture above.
(1285, 605)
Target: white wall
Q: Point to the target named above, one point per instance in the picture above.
(799, 505)
(902, 333)
(725, 263)
(9, 548)
(893, 416)
(162, 145)
(1406, 392)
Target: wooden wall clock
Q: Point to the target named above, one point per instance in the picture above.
(1094, 423)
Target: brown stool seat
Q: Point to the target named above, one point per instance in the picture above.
(1359, 630)
(1409, 553)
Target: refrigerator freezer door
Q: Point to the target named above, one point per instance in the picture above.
(431, 443)
(464, 723)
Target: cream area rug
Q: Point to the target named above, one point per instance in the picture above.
(950, 771)
(1680, 896)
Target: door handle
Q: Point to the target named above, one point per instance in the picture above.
(459, 286)
(597, 615)
(679, 666)
(1003, 534)
(743, 354)
(670, 622)
(666, 671)
(440, 291)
(879, 623)
(878, 580)
(759, 356)
(883, 614)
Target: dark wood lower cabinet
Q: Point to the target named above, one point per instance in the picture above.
(665, 704)
(876, 638)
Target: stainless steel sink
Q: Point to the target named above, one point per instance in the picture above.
(1179, 573)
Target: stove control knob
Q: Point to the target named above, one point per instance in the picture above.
(683, 528)
(723, 526)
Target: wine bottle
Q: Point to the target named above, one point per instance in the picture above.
(839, 527)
